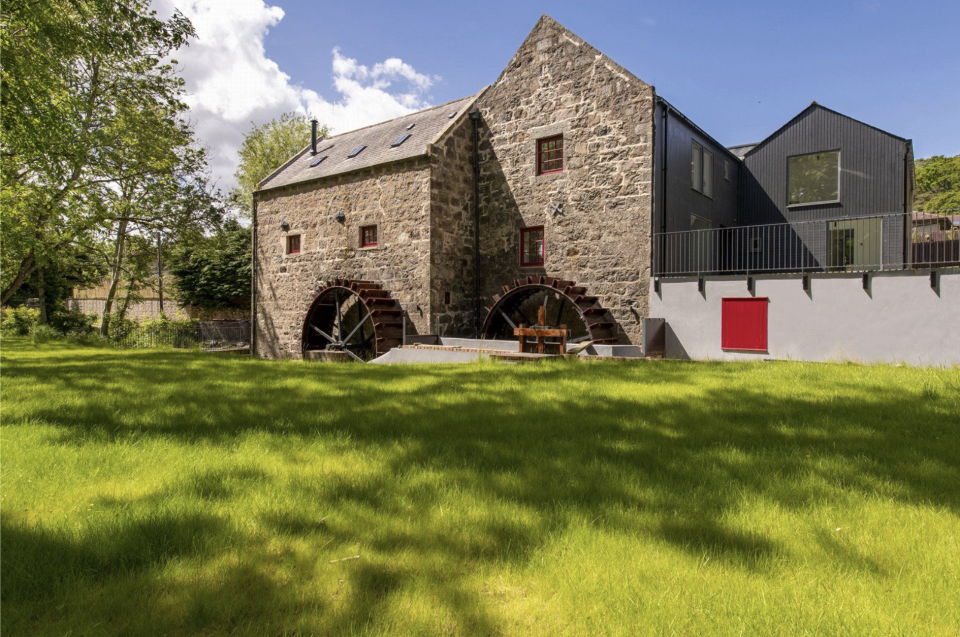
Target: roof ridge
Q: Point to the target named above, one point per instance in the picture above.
(387, 121)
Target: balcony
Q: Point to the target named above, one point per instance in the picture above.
(894, 241)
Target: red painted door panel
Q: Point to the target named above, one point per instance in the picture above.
(744, 324)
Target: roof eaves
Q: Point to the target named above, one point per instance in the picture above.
(693, 125)
(391, 162)
(812, 106)
(281, 168)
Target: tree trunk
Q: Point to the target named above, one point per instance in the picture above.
(42, 294)
(114, 278)
(160, 269)
(27, 267)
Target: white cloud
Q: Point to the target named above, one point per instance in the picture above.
(230, 80)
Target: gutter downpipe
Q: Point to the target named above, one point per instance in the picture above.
(253, 277)
(475, 118)
(661, 249)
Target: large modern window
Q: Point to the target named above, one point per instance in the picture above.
(531, 246)
(550, 155)
(701, 166)
(813, 178)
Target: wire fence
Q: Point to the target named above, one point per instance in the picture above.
(207, 335)
(894, 241)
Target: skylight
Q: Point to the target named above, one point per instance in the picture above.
(318, 161)
(453, 114)
(400, 140)
(356, 151)
(410, 127)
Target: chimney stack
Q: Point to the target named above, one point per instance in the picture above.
(313, 136)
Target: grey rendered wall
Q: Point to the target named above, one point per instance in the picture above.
(901, 319)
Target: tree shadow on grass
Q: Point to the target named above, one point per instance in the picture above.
(670, 463)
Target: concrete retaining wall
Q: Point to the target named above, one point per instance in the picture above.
(899, 319)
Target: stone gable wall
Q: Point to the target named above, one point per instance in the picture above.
(395, 197)
(452, 249)
(557, 84)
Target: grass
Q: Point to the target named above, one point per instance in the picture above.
(172, 493)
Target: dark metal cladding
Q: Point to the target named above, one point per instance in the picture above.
(872, 169)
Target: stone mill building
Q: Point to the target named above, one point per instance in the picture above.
(552, 164)
(543, 194)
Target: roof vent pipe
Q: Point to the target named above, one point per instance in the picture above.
(313, 136)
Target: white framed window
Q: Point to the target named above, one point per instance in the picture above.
(813, 178)
(701, 169)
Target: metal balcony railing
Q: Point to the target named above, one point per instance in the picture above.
(894, 241)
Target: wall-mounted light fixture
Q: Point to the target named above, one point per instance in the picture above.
(284, 225)
(340, 216)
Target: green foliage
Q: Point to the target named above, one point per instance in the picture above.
(166, 492)
(72, 323)
(153, 333)
(44, 334)
(265, 148)
(938, 184)
(94, 143)
(214, 272)
(18, 321)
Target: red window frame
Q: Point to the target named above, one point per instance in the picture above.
(293, 244)
(368, 236)
(550, 155)
(743, 324)
(537, 259)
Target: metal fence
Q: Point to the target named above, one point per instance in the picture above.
(841, 244)
(204, 335)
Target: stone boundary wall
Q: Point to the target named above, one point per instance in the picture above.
(901, 319)
(150, 309)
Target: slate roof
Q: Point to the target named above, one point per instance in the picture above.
(428, 125)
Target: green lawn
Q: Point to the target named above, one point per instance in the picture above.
(171, 493)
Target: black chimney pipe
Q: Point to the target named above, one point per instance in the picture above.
(313, 136)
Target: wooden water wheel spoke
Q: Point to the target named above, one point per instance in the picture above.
(533, 295)
(333, 325)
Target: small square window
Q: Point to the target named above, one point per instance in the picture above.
(550, 155)
(368, 237)
(531, 246)
(293, 244)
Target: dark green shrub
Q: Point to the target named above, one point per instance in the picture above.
(72, 322)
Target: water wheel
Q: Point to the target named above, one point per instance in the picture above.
(566, 303)
(357, 318)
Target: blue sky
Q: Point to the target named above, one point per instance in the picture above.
(739, 69)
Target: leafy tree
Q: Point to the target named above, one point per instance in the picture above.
(214, 272)
(77, 76)
(265, 148)
(938, 183)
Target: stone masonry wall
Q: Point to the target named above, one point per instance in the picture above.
(558, 84)
(395, 197)
(452, 249)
